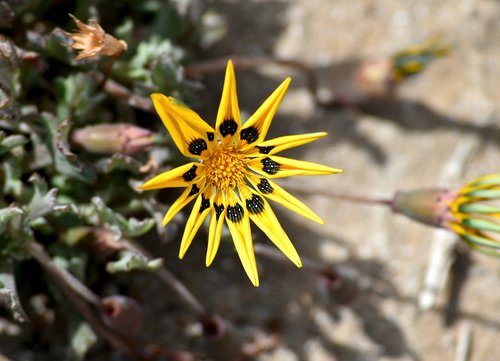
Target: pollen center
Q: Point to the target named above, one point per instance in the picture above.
(225, 168)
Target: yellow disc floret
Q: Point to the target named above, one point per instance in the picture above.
(225, 168)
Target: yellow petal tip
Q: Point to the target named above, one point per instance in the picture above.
(209, 261)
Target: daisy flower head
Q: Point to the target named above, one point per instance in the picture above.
(231, 179)
(476, 214)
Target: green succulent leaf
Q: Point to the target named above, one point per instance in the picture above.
(10, 142)
(124, 227)
(166, 74)
(118, 162)
(11, 169)
(82, 339)
(44, 201)
(130, 260)
(15, 233)
(8, 291)
(77, 96)
(8, 79)
(65, 162)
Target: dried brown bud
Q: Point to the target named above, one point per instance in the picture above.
(114, 138)
(93, 41)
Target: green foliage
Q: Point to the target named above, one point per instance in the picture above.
(61, 195)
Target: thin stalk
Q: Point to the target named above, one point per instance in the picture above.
(77, 293)
(62, 276)
(171, 281)
(249, 62)
(355, 198)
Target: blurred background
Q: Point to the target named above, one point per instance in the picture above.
(384, 287)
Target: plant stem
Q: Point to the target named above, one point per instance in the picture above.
(248, 62)
(171, 281)
(62, 276)
(73, 289)
(355, 198)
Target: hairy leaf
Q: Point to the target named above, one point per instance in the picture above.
(131, 227)
(130, 260)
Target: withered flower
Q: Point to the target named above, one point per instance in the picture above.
(93, 41)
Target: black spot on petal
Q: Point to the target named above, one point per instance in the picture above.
(255, 205)
(190, 174)
(228, 127)
(219, 208)
(210, 136)
(235, 213)
(265, 150)
(197, 146)
(264, 186)
(250, 134)
(205, 203)
(194, 190)
(270, 166)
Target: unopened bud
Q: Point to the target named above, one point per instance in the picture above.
(373, 78)
(122, 314)
(429, 206)
(114, 138)
(214, 326)
(378, 77)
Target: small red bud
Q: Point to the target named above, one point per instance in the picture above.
(122, 314)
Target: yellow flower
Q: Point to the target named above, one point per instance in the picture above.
(231, 181)
(92, 40)
(476, 214)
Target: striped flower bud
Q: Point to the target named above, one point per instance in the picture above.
(114, 138)
(472, 212)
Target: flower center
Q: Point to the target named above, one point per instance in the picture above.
(225, 168)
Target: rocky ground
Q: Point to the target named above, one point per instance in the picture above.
(438, 131)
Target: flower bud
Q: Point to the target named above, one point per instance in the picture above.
(472, 212)
(378, 77)
(114, 138)
(429, 206)
(122, 314)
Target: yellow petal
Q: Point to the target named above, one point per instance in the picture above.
(279, 144)
(256, 127)
(187, 196)
(228, 122)
(239, 226)
(181, 176)
(262, 215)
(280, 167)
(190, 133)
(217, 216)
(277, 194)
(198, 214)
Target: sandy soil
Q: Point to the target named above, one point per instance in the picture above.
(437, 132)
